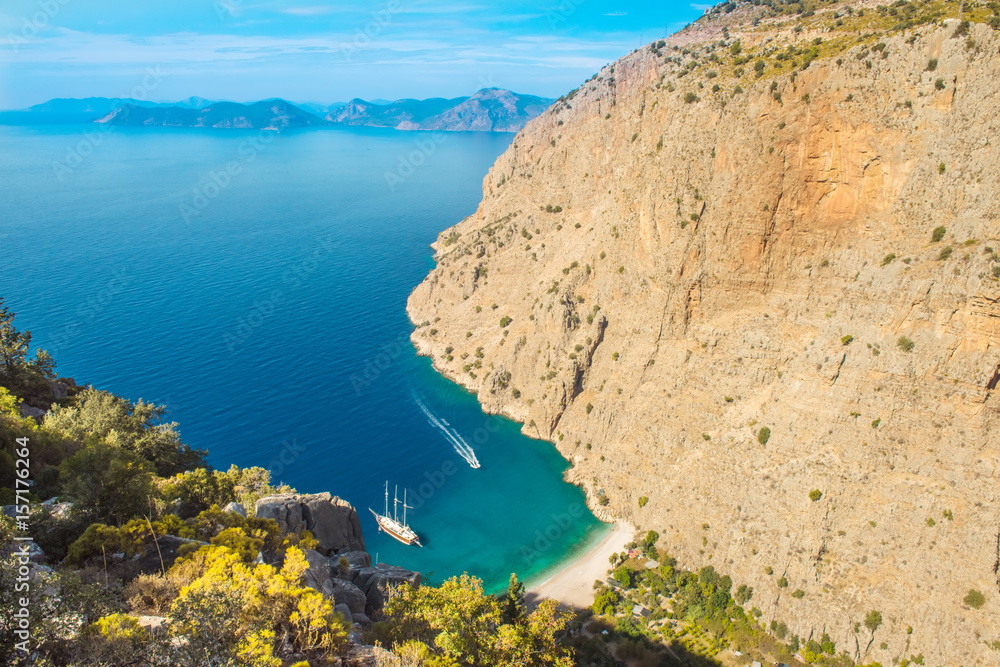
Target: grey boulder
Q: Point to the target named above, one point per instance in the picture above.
(333, 522)
(346, 593)
(346, 565)
(376, 582)
(236, 508)
(344, 611)
(318, 574)
(28, 411)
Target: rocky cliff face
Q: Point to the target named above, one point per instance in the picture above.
(723, 291)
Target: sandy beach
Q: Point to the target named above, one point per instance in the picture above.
(573, 585)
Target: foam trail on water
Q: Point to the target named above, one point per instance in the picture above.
(457, 441)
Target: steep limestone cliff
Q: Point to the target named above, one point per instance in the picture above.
(659, 270)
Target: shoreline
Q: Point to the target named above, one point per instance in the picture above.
(572, 584)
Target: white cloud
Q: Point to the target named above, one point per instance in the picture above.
(306, 11)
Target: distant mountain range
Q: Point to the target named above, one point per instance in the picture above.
(488, 110)
(265, 115)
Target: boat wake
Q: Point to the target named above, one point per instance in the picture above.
(454, 437)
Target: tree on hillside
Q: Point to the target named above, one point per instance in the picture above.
(136, 427)
(513, 601)
(872, 621)
(13, 344)
(114, 483)
(15, 366)
(457, 623)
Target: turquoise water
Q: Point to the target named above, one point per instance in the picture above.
(256, 284)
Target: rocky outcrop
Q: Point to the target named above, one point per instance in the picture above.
(29, 411)
(333, 522)
(341, 569)
(359, 590)
(346, 593)
(235, 508)
(681, 253)
(376, 582)
(318, 574)
(355, 560)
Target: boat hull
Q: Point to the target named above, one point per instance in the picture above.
(400, 533)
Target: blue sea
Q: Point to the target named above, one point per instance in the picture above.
(255, 283)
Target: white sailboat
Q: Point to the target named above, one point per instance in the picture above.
(391, 524)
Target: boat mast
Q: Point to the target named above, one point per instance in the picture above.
(386, 497)
(395, 502)
(405, 507)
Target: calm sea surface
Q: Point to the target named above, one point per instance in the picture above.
(256, 284)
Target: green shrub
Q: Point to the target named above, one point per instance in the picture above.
(942, 168)
(642, 501)
(815, 495)
(782, 582)
(690, 98)
(798, 594)
(938, 233)
(945, 253)
(932, 64)
(905, 343)
(939, 84)
(888, 259)
(763, 435)
(505, 321)
(974, 599)
(847, 339)
(768, 570)
(590, 408)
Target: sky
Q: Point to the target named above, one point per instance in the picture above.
(314, 50)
